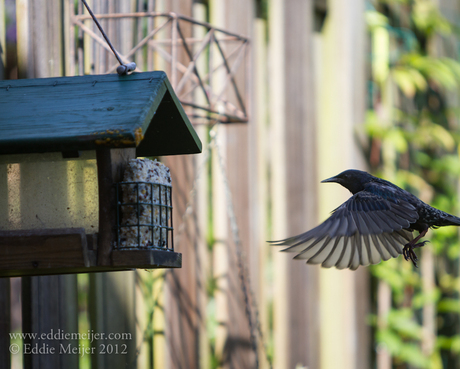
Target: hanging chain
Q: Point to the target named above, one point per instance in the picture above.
(242, 268)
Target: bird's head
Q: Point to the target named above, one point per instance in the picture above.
(353, 180)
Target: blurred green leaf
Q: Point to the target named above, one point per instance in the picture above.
(396, 137)
(423, 158)
(453, 65)
(380, 54)
(448, 164)
(449, 343)
(412, 354)
(373, 126)
(441, 71)
(432, 135)
(455, 346)
(409, 80)
(425, 191)
(375, 19)
(444, 342)
(390, 340)
(449, 305)
(404, 81)
(448, 282)
(428, 19)
(453, 251)
(391, 276)
(421, 299)
(402, 321)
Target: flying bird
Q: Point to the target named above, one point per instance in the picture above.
(376, 223)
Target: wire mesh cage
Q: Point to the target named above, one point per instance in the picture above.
(144, 216)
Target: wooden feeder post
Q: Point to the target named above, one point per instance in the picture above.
(52, 133)
(110, 171)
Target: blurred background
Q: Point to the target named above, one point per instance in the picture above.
(283, 93)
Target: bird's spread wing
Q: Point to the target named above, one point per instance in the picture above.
(364, 230)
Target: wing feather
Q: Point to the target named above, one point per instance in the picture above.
(384, 223)
(390, 244)
(372, 224)
(322, 254)
(384, 254)
(375, 256)
(333, 256)
(344, 260)
(355, 259)
(359, 221)
(364, 230)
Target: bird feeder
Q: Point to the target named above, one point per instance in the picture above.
(64, 144)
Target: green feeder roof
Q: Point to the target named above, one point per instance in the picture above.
(69, 114)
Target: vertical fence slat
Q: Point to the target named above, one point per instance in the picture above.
(383, 357)
(68, 41)
(25, 60)
(344, 337)
(160, 343)
(112, 312)
(44, 312)
(182, 310)
(293, 179)
(2, 39)
(221, 232)
(5, 323)
(5, 291)
(238, 17)
(259, 164)
(203, 270)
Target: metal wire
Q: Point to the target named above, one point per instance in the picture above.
(102, 31)
(164, 226)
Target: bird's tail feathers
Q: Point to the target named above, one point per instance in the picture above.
(451, 220)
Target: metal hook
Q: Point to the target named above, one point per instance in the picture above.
(125, 68)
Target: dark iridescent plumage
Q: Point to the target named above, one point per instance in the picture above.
(375, 224)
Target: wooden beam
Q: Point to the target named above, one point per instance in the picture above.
(66, 251)
(45, 248)
(146, 259)
(110, 164)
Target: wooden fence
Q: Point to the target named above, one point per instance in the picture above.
(304, 91)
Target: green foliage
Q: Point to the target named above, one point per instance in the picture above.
(414, 141)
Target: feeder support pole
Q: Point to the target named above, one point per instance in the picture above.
(110, 165)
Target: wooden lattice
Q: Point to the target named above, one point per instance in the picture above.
(206, 65)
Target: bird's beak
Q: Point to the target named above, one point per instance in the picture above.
(332, 179)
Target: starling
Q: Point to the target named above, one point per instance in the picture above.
(375, 224)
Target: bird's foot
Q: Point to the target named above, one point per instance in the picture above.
(409, 254)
